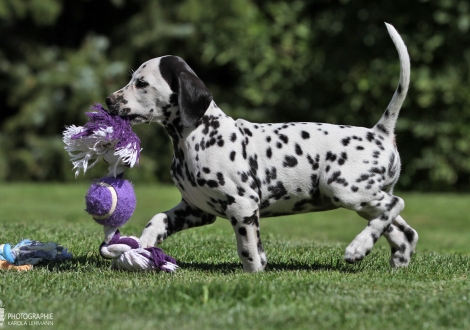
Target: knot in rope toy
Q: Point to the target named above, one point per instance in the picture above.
(126, 253)
(111, 200)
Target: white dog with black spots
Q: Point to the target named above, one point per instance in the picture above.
(242, 171)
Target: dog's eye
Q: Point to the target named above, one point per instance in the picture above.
(141, 83)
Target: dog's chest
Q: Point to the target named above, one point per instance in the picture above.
(199, 167)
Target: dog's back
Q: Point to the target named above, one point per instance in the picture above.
(308, 167)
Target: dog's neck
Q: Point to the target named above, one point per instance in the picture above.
(174, 126)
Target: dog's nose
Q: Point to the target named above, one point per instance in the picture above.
(109, 102)
(111, 105)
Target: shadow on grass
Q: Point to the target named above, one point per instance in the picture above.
(79, 263)
(231, 267)
(335, 266)
(91, 261)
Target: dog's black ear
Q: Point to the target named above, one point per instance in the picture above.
(193, 96)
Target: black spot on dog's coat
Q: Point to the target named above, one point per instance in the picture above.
(284, 138)
(212, 183)
(290, 161)
(271, 174)
(251, 220)
(269, 152)
(278, 191)
(343, 159)
(242, 231)
(334, 177)
(220, 178)
(382, 128)
(363, 177)
(330, 156)
(298, 150)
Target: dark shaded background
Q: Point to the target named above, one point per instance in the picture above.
(270, 61)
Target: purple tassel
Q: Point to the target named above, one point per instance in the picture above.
(103, 137)
(160, 259)
(122, 129)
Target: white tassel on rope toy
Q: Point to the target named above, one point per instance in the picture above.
(104, 137)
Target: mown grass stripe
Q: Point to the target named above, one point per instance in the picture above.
(306, 284)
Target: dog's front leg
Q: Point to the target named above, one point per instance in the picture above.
(250, 250)
(182, 216)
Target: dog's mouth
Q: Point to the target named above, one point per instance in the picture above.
(135, 118)
(114, 109)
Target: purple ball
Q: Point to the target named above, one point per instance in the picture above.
(111, 201)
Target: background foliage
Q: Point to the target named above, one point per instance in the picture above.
(270, 60)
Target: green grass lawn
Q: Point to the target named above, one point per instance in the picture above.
(306, 284)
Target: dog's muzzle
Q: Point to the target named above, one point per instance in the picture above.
(112, 106)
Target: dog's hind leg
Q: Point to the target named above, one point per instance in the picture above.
(181, 217)
(402, 239)
(380, 213)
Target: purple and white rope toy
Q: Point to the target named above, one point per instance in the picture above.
(127, 253)
(111, 200)
(104, 137)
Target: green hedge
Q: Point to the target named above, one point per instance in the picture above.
(326, 61)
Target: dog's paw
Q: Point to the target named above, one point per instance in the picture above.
(401, 256)
(252, 268)
(255, 264)
(155, 231)
(147, 241)
(399, 261)
(356, 251)
(353, 256)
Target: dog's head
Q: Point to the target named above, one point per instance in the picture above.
(161, 89)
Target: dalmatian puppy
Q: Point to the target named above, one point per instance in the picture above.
(242, 171)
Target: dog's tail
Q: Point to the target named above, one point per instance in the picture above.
(386, 124)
